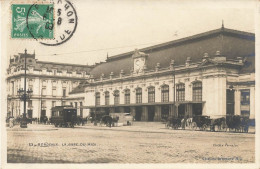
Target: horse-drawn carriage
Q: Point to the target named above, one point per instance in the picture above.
(64, 116)
(201, 122)
(108, 120)
(174, 123)
(237, 123)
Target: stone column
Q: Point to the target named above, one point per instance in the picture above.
(252, 103)
(237, 102)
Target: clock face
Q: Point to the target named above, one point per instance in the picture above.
(137, 63)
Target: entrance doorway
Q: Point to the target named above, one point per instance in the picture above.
(181, 111)
(127, 109)
(165, 112)
(151, 112)
(197, 109)
(138, 113)
(107, 111)
(43, 114)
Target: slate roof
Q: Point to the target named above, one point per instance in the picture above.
(231, 43)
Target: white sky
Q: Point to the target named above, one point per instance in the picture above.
(126, 25)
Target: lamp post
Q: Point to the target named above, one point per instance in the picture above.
(24, 95)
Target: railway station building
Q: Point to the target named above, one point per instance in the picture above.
(211, 73)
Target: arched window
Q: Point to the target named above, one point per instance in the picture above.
(180, 92)
(97, 98)
(127, 96)
(139, 95)
(165, 93)
(116, 97)
(107, 98)
(197, 91)
(151, 95)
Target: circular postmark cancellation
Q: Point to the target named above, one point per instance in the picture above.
(52, 24)
(39, 21)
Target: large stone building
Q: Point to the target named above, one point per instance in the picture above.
(50, 82)
(212, 73)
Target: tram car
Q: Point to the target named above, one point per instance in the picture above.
(64, 116)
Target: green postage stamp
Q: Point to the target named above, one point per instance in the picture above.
(32, 21)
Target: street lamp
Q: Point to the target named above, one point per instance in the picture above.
(24, 95)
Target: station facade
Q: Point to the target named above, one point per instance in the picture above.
(212, 74)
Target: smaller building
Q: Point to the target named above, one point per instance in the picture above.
(50, 82)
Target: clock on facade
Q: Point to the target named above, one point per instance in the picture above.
(139, 61)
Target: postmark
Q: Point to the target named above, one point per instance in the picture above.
(32, 21)
(65, 24)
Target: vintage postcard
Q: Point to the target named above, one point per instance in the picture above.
(130, 84)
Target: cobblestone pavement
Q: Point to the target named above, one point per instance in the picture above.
(141, 143)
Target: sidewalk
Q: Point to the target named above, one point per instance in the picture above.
(149, 127)
(32, 127)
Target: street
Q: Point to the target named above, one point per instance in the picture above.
(140, 143)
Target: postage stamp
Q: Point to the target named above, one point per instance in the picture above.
(32, 21)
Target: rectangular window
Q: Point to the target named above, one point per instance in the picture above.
(64, 92)
(245, 103)
(116, 97)
(197, 91)
(165, 93)
(76, 105)
(63, 103)
(139, 95)
(180, 92)
(54, 91)
(107, 98)
(53, 103)
(29, 103)
(43, 103)
(151, 95)
(97, 99)
(127, 96)
(44, 83)
(44, 91)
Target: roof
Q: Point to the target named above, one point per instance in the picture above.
(39, 65)
(230, 43)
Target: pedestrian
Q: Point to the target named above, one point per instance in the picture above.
(11, 122)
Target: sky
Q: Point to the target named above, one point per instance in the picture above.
(114, 27)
